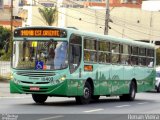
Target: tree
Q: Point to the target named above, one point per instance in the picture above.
(4, 36)
(158, 56)
(48, 14)
(5, 42)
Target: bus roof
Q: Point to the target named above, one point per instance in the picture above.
(113, 38)
(100, 36)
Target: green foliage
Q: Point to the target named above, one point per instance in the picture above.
(158, 56)
(48, 14)
(5, 37)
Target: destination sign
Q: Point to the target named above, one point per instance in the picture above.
(40, 32)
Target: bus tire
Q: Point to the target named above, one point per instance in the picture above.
(87, 92)
(158, 88)
(39, 98)
(131, 95)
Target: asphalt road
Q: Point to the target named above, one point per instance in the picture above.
(59, 108)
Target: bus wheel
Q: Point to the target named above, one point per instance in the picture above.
(131, 95)
(39, 98)
(158, 88)
(86, 98)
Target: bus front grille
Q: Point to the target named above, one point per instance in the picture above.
(26, 82)
(35, 74)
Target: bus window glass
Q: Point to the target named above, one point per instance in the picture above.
(50, 55)
(150, 53)
(142, 51)
(115, 58)
(124, 49)
(104, 46)
(104, 57)
(134, 60)
(150, 62)
(115, 48)
(89, 44)
(135, 50)
(142, 61)
(90, 56)
(75, 49)
(129, 50)
(90, 53)
(125, 59)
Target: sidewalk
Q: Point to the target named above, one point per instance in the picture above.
(4, 89)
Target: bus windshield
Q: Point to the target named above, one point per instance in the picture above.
(43, 55)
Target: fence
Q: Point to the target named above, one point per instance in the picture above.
(5, 70)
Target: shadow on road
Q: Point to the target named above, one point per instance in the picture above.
(73, 102)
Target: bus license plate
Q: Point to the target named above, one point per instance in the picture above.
(35, 88)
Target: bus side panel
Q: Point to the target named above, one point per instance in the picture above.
(116, 77)
(75, 83)
(103, 76)
(72, 87)
(128, 74)
(147, 81)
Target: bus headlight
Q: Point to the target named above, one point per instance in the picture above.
(62, 78)
(11, 76)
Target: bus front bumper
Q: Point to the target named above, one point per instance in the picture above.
(59, 89)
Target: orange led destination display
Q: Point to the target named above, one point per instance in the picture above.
(48, 33)
(40, 32)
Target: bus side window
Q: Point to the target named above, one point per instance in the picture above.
(86, 56)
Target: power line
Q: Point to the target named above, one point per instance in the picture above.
(100, 17)
(129, 22)
(136, 30)
(100, 24)
(88, 14)
(121, 34)
(71, 16)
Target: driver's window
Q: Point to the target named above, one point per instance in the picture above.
(75, 51)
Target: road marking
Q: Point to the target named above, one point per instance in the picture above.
(49, 118)
(13, 97)
(142, 103)
(122, 106)
(95, 110)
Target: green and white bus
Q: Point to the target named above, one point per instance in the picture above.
(65, 62)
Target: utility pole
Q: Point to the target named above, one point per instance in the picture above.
(150, 29)
(11, 19)
(11, 25)
(106, 18)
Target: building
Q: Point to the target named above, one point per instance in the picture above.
(127, 19)
(5, 12)
(148, 5)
